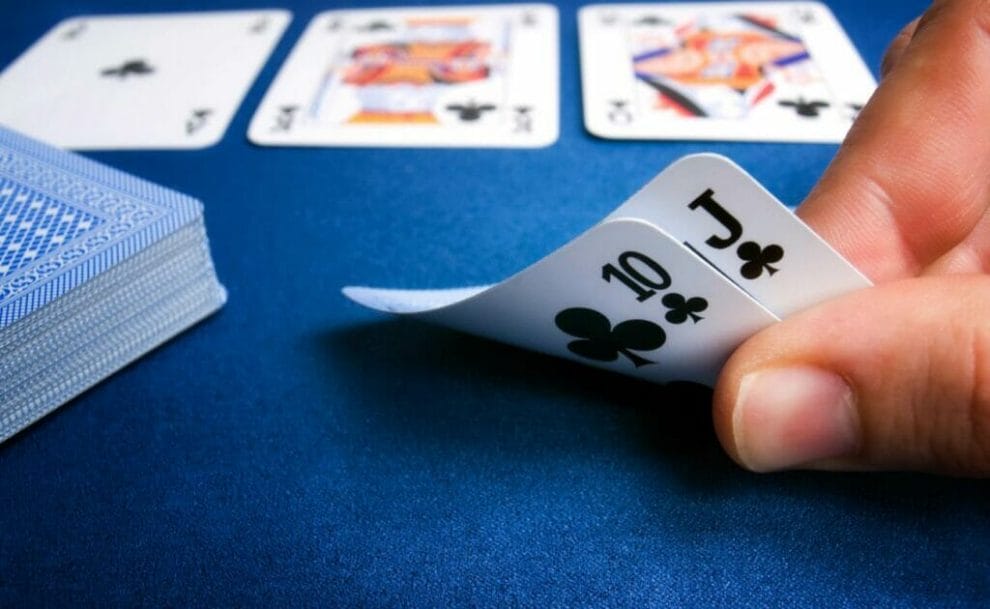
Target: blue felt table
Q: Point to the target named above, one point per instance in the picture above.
(298, 450)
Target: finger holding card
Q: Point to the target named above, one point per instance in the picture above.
(138, 81)
(477, 76)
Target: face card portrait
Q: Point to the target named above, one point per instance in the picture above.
(451, 76)
(780, 71)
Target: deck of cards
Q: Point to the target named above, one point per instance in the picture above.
(664, 288)
(96, 268)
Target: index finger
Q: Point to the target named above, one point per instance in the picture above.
(911, 180)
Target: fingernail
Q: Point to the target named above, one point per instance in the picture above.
(793, 417)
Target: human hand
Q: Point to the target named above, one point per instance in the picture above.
(896, 376)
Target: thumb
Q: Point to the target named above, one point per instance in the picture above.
(892, 377)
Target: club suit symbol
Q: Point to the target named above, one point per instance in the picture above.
(681, 308)
(75, 31)
(618, 112)
(652, 21)
(758, 259)
(285, 118)
(260, 26)
(197, 120)
(523, 119)
(803, 107)
(609, 18)
(377, 26)
(470, 111)
(131, 67)
(599, 341)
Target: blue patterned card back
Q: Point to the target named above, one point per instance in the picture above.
(65, 219)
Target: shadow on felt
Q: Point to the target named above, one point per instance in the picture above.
(443, 386)
(451, 402)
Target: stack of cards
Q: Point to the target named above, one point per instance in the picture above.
(96, 268)
(664, 289)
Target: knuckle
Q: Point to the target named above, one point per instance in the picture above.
(935, 12)
(897, 46)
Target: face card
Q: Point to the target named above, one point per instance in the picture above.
(728, 219)
(762, 71)
(473, 76)
(624, 296)
(138, 81)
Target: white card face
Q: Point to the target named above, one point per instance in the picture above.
(138, 81)
(761, 71)
(624, 296)
(473, 76)
(725, 216)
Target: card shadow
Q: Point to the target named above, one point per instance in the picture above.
(495, 396)
(488, 409)
(440, 386)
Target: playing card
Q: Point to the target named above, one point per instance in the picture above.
(624, 296)
(664, 288)
(767, 71)
(472, 76)
(138, 81)
(726, 217)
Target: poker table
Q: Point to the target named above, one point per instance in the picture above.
(297, 449)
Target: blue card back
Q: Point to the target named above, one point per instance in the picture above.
(65, 219)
